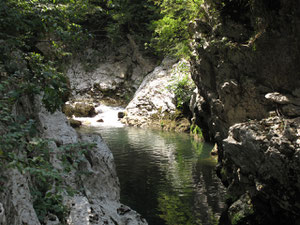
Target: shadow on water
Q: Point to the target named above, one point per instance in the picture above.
(169, 178)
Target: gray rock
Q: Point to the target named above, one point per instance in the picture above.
(290, 106)
(262, 157)
(154, 98)
(2, 215)
(98, 198)
(100, 202)
(278, 98)
(243, 76)
(108, 72)
(52, 220)
(17, 201)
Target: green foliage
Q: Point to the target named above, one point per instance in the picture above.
(182, 85)
(25, 72)
(131, 17)
(237, 218)
(171, 31)
(48, 182)
(175, 210)
(196, 131)
(72, 155)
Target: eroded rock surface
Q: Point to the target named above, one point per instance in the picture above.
(234, 68)
(152, 97)
(262, 159)
(97, 200)
(16, 200)
(109, 73)
(154, 101)
(246, 69)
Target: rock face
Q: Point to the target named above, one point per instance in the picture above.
(17, 205)
(154, 101)
(261, 160)
(246, 68)
(106, 72)
(235, 68)
(98, 193)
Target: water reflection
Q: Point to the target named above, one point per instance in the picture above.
(169, 178)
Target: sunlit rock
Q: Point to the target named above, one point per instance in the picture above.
(155, 98)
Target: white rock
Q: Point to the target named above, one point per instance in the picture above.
(98, 199)
(154, 95)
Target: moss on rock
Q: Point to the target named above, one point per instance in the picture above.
(84, 110)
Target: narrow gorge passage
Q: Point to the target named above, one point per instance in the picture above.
(169, 178)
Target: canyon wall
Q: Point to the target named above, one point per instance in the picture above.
(246, 67)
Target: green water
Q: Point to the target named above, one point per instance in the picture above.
(168, 178)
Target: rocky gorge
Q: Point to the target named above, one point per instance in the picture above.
(247, 101)
(245, 98)
(121, 78)
(97, 77)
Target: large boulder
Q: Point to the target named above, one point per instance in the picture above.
(79, 109)
(154, 103)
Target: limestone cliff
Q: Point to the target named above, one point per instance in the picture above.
(109, 73)
(94, 182)
(246, 67)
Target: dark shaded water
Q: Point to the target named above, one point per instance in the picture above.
(168, 178)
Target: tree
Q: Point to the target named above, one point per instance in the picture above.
(170, 32)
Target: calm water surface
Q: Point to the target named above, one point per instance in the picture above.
(168, 178)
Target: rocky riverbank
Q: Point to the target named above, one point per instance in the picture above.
(156, 89)
(247, 72)
(93, 179)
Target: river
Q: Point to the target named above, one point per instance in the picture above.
(167, 177)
